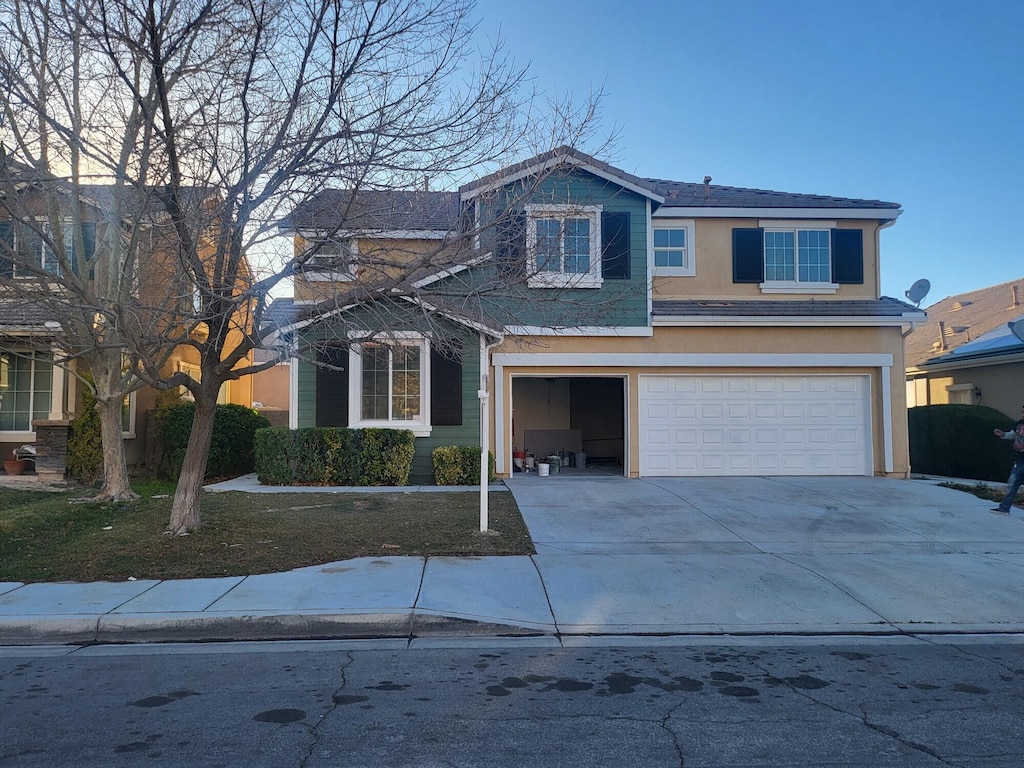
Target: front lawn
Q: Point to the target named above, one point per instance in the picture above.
(56, 537)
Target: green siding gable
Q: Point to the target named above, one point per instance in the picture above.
(616, 302)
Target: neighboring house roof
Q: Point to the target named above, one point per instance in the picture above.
(883, 307)
(996, 343)
(281, 312)
(23, 315)
(687, 195)
(376, 211)
(962, 319)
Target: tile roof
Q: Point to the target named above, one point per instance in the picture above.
(995, 343)
(376, 210)
(883, 307)
(20, 314)
(688, 195)
(965, 317)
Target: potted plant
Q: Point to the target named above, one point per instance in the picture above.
(14, 465)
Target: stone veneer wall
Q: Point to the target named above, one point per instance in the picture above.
(52, 449)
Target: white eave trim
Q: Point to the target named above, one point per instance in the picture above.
(684, 360)
(550, 163)
(972, 362)
(701, 321)
(371, 234)
(430, 279)
(586, 330)
(828, 214)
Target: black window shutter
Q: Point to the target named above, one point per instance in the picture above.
(446, 387)
(88, 245)
(615, 245)
(748, 255)
(848, 256)
(510, 245)
(332, 388)
(6, 249)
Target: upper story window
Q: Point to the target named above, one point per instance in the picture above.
(563, 243)
(801, 256)
(333, 260)
(798, 257)
(38, 246)
(673, 249)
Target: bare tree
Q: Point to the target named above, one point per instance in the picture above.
(216, 118)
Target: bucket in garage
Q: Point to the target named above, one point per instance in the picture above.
(581, 460)
(543, 469)
(519, 459)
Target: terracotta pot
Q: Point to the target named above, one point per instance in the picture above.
(15, 466)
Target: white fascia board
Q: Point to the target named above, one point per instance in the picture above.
(975, 362)
(699, 212)
(430, 279)
(373, 234)
(704, 321)
(584, 330)
(472, 324)
(685, 360)
(550, 163)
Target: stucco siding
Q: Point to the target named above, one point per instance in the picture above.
(713, 266)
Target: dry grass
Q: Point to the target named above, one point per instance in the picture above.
(987, 492)
(54, 537)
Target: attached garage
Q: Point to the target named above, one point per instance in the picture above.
(755, 425)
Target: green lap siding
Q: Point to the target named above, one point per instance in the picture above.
(468, 433)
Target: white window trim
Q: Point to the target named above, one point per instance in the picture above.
(315, 274)
(590, 279)
(30, 434)
(796, 286)
(130, 432)
(419, 427)
(689, 268)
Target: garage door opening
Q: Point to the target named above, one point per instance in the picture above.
(575, 414)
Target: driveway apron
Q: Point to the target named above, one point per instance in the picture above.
(772, 554)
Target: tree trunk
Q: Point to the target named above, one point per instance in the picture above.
(116, 486)
(187, 497)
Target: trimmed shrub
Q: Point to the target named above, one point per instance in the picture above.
(957, 441)
(85, 442)
(459, 465)
(386, 456)
(334, 456)
(231, 448)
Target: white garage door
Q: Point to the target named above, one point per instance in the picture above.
(754, 425)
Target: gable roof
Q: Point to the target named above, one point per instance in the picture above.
(964, 318)
(566, 157)
(376, 211)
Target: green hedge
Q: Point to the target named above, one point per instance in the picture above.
(460, 465)
(957, 441)
(334, 456)
(231, 448)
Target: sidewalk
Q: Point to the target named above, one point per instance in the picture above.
(697, 556)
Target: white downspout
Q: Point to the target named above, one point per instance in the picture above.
(484, 394)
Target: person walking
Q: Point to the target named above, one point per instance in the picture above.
(1016, 478)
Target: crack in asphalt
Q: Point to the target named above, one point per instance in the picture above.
(315, 730)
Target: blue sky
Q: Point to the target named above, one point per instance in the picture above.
(919, 102)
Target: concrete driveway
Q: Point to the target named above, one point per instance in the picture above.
(783, 554)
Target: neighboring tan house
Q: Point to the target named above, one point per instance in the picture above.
(32, 388)
(694, 329)
(966, 353)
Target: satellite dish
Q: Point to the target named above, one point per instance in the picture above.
(918, 291)
(1017, 328)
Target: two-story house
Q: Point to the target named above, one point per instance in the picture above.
(38, 379)
(692, 329)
